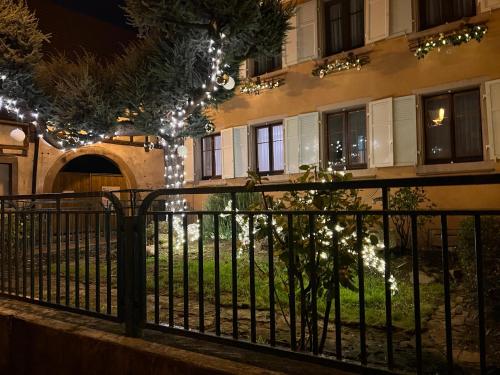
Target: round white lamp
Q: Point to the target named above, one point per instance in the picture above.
(17, 135)
(230, 83)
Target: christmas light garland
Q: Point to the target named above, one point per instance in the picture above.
(252, 87)
(349, 62)
(456, 38)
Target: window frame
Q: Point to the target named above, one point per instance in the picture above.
(346, 139)
(271, 171)
(347, 44)
(214, 176)
(450, 95)
(447, 17)
(277, 65)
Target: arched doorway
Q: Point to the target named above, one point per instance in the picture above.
(89, 173)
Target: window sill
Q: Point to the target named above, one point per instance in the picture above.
(215, 182)
(281, 73)
(415, 37)
(453, 168)
(364, 50)
(362, 174)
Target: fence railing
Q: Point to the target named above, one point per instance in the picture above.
(310, 271)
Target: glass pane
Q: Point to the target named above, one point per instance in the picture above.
(336, 140)
(263, 149)
(437, 128)
(357, 137)
(207, 163)
(357, 23)
(218, 155)
(433, 13)
(265, 64)
(468, 139)
(207, 143)
(5, 182)
(334, 28)
(463, 8)
(278, 153)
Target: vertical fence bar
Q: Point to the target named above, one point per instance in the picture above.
(49, 256)
(446, 284)
(170, 219)
(24, 255)
(32, 255)
(387, 277)
(291, 283)
(314, 284)
(185, 271)
(478, 242)
(201, 292)
(87, 260)
(40, 256)
(66, 259)
(97, 263)
(336, 284)
(217, 274)
(2, 246)
(234, 266)
(272, 312)
(9, 247)
(107, 234)
(156, 272)
(58, 251)
(361, 288)
(77, 260)
(16, 253)
(251, 255)
(416, 292)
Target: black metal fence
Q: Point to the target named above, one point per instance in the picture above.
(324, 284)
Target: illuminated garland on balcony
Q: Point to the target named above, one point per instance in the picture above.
(349, 62)
(256, 87)
(465, 35)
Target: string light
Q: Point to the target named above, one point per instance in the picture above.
(349, 62)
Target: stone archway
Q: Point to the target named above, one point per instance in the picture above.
(58, 165)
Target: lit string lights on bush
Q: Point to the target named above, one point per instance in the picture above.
(456, 38)
(349, 62)
(252, 87)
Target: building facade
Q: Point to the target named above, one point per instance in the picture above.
(391, 114)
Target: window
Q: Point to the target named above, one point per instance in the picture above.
(438, 12)
(344, 22)
(346, 135)
(211, 159)
(5, 179)
(270, 154)
(453, 127)
(265, 64)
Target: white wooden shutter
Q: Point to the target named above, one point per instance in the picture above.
(376, 20)
(487, 5)
(493, 116)
(307, 33)
(240, 150)
(381, 147)
(292, 145)
(243, 70)
(227, 153)
(309, 138)
(290, 48)
(189, 160)
(400, 17)
(405, 130)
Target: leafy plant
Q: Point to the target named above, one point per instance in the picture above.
(408, 199)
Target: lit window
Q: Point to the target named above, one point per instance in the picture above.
(270, 153)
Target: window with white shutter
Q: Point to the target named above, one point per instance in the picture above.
(487, 5)
(227, 153)
(405, 130)
(240, 149)
(290, 50)
(309, 138)
(493, 116)
(377, 20)
(400, 17)
(292, 145)
(307, 34)
(189, 160)
(381, 146)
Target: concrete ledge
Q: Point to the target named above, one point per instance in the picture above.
(30, 344)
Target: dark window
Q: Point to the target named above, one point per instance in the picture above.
(5, 179)
(438, 12)
(453, 127)
(344, 20)
(347, 139)
(270, 154)
(211, 159)
(264, 64)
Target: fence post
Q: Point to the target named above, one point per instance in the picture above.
(133, 276)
